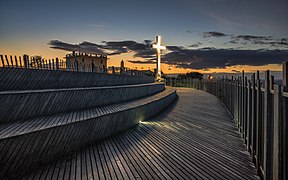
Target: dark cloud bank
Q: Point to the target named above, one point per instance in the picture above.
(213, 34)
(252, 39)
(203, 58)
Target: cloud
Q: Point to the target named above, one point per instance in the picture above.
(85, 47)
(132, 45)
(260, 40)
(245, 39)
(196, 44)
(236, 71)
(233, 42)
(175, 48)
(220, 58)
(252, 37)
(179, 56)
(142, 62)
(56, 44)
(213, 34)
(107, 47)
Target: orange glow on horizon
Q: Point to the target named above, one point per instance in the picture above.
(115, 60)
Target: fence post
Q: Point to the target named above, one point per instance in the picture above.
(223, 90)
(241, 103)
(50, 65)
(244, 118)
(16, 63)
(268, 123)
(20, 62)
(235, 99)
(57, 64)
(26, 61)
(113, 70)
(258, 123)
(32, 64)
(7, 61)
(53, 64)
(2, 60)
(238, 102)
(11, 60)
(272, 82)
(62, 65)
(253, 118)
(249, 116)
(284, 122)
(232, 95)
(277, 155)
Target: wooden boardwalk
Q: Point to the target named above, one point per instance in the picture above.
(195, 138)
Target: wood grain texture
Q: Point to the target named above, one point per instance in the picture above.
(195, 138)
(23, 105)
(27, 79)
(25, 144)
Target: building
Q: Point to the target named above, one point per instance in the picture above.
(86, 62)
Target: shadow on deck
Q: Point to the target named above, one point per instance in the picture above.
(195, 138)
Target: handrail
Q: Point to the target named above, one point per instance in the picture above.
(260, 113)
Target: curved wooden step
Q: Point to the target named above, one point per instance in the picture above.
(25, 79)
(23, 105)
(30, 143)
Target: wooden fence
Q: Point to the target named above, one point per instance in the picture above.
(31, 63)
(260, 110)
(58, 64)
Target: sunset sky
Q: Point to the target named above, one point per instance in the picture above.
(203, 35)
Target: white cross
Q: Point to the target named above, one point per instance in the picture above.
(158, 47)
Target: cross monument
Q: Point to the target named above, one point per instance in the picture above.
(158, 48)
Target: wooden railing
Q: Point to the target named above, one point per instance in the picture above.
(260, 110)
(31, 63)
(25, 62)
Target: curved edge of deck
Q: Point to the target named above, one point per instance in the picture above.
(25, 105)
(45, 144)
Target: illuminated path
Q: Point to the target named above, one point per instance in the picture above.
(195, 138)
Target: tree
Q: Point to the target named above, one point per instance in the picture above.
(193, 75)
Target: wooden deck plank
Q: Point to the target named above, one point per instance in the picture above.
(73, 166)
(67, 173)
(149, 173)
(199, 166)
(113, 159)
(94, 169)
(108, 162)
(149, 158)
(190, 169)
(98, 163)
(167, 162)
(78, 166)
(193, 139)
(135, 165)
(104, 165)
(84, 173)
(121, 163)
(50, 171)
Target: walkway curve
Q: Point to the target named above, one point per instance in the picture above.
(195, 138)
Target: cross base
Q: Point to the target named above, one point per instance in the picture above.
(158, 77)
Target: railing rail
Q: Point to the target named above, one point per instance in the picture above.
(260, 111)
